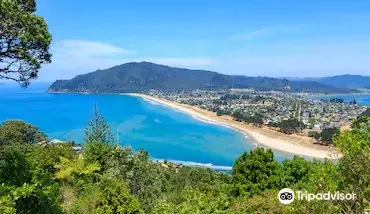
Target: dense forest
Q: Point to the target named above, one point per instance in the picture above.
(144, 76)
(107, 178)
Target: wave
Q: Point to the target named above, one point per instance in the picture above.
(152, 102)
(157, 121)
(196, 164)
(208, 121)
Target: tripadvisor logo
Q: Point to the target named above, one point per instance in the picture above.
(286, 196)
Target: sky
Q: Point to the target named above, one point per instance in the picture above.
(290, 38)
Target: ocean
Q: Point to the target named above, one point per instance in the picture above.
(163, 132)
(362, 99)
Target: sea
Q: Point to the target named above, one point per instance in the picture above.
(361, 99)
(167, 134)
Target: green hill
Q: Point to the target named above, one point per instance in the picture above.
(144, 76)
(347, 81)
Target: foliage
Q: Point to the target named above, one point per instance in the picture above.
(68, 167)
(24, 41)
(355, 165)
(255, 119)
(107, 179)
(86, 190)
(265, 203)
(361, 123)
(144, 179)
(238, 115)
(194, 200)
(26, 174)
(98, 130)
(145, 76)
(328, 134)
(15, 131)
(322, 178)
(366, 113)
(97, 152)
(290, 126)
(115, 198)
(314, 135)
(336, 100)
(255, 172)
(295, 170)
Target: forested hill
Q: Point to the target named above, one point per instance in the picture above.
(347, 81)
(143, 76)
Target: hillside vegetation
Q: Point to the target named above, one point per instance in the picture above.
(105, 178)
(145, 76)
(347, 81)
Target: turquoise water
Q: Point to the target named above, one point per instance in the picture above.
(362, 99)
(163, 132)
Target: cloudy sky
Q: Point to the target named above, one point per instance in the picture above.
(255, 38)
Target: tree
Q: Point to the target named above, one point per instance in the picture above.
(73, 169)
(328, 134)
(91, 192)
(115, 198)
(78, 192)
(98, 130)
(295, 170)
(100, 153)
(354, 166)
(26, 186)
(323, 176)
(362, 122)
(15, 131)
(314, 135)
(256, 119)
(144, 179)
(238, 115)
(336, 100)
(14, 167)
(290, 126)
(264, 203)
(366, 113)
(255, 171)
(193, 200)
(98, 141)
(24, 41)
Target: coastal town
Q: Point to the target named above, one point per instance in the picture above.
(271, 108)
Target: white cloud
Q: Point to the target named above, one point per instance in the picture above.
(68, 67)
(86, 48)
(272, 31)
(249, 35)
(72, 57)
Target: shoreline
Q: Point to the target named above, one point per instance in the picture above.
(291, 144)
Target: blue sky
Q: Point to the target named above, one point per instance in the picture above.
(251, 37)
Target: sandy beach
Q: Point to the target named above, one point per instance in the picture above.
(293, 144)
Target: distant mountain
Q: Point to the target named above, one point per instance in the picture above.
(143, 76)
(347, 81)
(340, 81)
